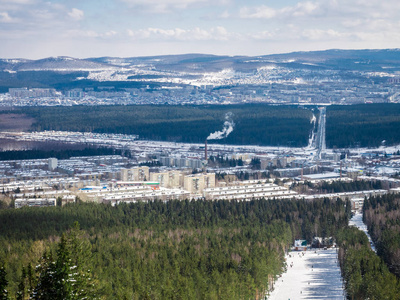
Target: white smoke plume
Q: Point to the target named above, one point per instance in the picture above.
(226, 130)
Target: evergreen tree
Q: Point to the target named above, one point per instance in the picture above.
(46, 286)
(3, 284)
(67, 277)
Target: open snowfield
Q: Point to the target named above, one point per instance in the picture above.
(314, 275)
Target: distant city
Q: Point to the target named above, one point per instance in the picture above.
(327, 77)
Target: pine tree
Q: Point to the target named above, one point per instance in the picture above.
(67, 277)
(79, 275)
(3, 284)
(21, 286)
(46, 286)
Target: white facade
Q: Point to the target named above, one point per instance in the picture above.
(53, 163)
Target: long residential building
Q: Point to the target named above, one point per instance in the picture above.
(248, 192)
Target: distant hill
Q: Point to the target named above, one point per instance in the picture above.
(72, 72)
(60, 63)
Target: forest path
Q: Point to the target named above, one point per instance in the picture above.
(357, 221)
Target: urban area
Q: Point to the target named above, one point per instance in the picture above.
(151, 170)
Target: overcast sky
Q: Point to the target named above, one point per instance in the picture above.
(126, 28)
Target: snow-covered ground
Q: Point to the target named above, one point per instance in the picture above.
(314, 275)
(357, 221)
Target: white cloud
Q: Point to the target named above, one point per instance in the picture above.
(214, 26)
(335, 20)
(304, 9)
(339, 9)
(110, 33)
(5, 17)
(30, 19)
(260, 12)
(263, 35)
(166, 6)
(179, 34)
(319, 34)
(77, 33)
(224, 15)
(76, 14)
(17, 1)
(301, 9)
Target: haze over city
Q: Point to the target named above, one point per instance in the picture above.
(36, 28)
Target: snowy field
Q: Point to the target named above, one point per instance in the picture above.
(314, 275)
(357, 221)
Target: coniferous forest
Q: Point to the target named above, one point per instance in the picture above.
(382, 216)
(255, 124)
(157, 250)
(364, 125)
(370, 275)
(365, 274)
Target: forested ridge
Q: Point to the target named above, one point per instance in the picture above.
(325, 187)
(370, 275)
(382, 217)
(255, 124)
(171, 250)
(363, 125)
(365, 274)
(60, 154)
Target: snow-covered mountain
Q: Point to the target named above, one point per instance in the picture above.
(60, 63)
(198, 69)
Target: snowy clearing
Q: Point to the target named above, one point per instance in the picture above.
(357, 221)
(314, 275)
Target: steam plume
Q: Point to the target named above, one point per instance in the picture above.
(226, 130)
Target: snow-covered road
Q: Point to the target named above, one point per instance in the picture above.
(314, 275)
(357, 221)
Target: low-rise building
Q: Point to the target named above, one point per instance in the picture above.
(248, 192)
(35, 202)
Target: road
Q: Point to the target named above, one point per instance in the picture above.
(320, 141)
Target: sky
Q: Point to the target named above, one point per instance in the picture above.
(126, 28)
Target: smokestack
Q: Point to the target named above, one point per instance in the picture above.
(205, 152)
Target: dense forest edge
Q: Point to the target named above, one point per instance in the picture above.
(370, 275)
(59, 154)
(254, 124)
(173, 250)
(365, 274)
(382, 217)
(183, 249)
(364, 125)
